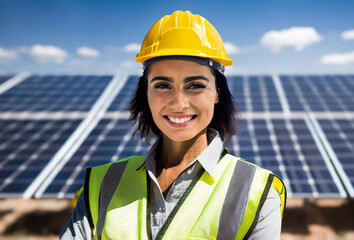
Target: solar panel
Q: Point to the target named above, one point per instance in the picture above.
(339, 133)
(286, 147)
(319, 93)
(54, 94)
(109, 141)
(4, 78)
(26, 146)
(122, 100)
(254, 93)
(289, 123)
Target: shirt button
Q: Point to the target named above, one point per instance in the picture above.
(189, 171)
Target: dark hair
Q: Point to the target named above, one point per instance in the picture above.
(225, 111)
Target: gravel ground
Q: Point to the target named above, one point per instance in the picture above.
(331, 219)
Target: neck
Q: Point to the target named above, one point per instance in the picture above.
(181, 154)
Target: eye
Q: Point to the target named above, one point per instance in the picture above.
(162, 86)
(196, 86)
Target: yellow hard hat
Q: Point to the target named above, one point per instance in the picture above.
(183, 34)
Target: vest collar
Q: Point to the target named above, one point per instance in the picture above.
(208, 158)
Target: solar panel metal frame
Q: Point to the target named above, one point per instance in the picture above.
(4, 78)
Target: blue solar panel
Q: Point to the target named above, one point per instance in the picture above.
(109, 141)
(54, 93)
(26, 146)
(4, 78)
(340, 135)
(284, 146)
(319, 93)
(255, 93)
(287, 148)
(122, 100)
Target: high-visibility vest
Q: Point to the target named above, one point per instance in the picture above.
(223, 206)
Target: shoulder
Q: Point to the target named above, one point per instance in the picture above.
(269, 220)
(95, 175)
(131, 160)
(262, 176)
(244, 163)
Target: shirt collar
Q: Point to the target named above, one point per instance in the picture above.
(208, 158)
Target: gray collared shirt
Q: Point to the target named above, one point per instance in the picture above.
(269, 222)
(160, 207)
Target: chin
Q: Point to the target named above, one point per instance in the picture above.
(181, 136)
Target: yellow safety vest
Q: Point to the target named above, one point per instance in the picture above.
(223, 206)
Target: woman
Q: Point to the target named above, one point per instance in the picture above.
(187, 186)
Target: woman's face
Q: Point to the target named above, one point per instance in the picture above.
(181, 96)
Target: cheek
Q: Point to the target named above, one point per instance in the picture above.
(150, 102)
(205, 105)
(153, 102)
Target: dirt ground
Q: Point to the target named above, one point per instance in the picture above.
(323, 219)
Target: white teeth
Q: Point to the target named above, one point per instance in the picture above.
(179, 120)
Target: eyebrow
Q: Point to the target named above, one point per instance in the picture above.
(186, 80)
(168, 79)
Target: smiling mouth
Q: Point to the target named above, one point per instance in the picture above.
(180, 119)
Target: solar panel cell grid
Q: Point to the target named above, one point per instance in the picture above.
(255, 93)
(319, 93)
(50, 93)
(339, 133)
(122, 100)
(92, 153)
(277, 145)
(28, 149)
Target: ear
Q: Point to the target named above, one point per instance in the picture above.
(217, 96)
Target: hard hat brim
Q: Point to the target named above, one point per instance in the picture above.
(195, 53)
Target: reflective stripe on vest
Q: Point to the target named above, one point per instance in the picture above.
(108, 187)
(240, 186)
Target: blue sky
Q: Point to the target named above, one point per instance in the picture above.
(102, 37)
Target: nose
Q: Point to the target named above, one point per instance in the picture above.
(179, 101)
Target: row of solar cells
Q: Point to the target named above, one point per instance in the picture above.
(253, 94)
(313, 155)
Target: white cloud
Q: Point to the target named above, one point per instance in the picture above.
(231, 48)
(87, 52)
(130, 67)
(232, 70)
(132, 47)
(348, 35)
(47, 54)
(338, 58)
(7, 56)
(23, 50)
(297, 37)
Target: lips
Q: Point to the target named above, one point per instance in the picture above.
(180, 119)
